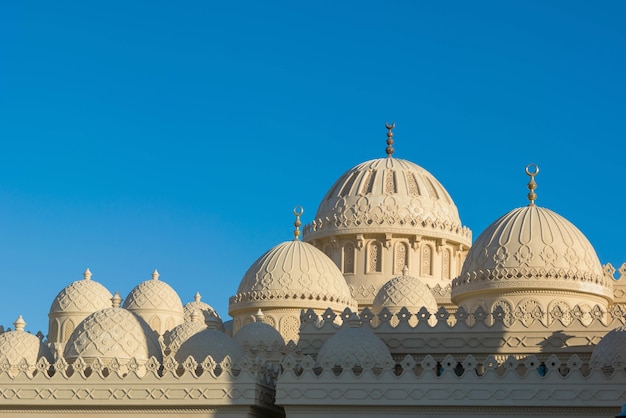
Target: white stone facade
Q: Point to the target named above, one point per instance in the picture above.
(385, 308)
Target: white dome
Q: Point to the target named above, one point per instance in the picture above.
(404, 291)
(82, 296)
(209, 342)
(354, 346)
(184, 331)
(388, 195)
(293, 274)
(532, 248)
(18, 345)
(157, 303)
(256, 334)
(113, 333)
(610, 346)
(204, 308)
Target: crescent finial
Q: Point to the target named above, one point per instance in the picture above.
(389, 149)
(532, 170)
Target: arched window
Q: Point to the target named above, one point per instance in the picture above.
(445, 266)
(155, 324)
(375, 255)
(400, 257)
(348, 258)
(427, 261)
(68, 328)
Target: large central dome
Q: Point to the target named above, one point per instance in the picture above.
(390, 195)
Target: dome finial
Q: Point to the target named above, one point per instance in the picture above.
(87, 274)
(389, 149)
(405, 270)
(532, 170)
(298, 211)
(155, 275)
(116, 300)
(258, 316)
(196, 316)
(19, 323)
(197, 297)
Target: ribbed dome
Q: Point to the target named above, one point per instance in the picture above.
(209, 342)
(113, 333)
(610, 346)
(293, 274)
(18, 345)
(532, 248)
(404, 291)
(354, 346)
(82, 296)
(388, 195)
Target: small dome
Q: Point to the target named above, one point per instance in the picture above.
(113, 333)
(82, 296)
(209, 342)
(184, 331)
(157, 303)
(354, 346)
(206, 310)
(610, 346)
(18, 345)
(293, 274)
(404, 291)
(258, 333)
(533, 248)
(388, 195)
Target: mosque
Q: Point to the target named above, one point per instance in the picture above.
(381, 306)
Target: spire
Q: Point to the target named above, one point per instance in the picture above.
(390, 149)
(196, 316)
(155, 275)
(19, 323)
(532, 170)
(116, 300)
(298, 211)
(87, 274)
(258, 316)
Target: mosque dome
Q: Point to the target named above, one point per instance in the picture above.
(610, 347)
(181, 333)
(388, 195)
(82, 296)
(532, 248)
(256, 334)
(355, 346)
(209, 342)
(19, 345)
(293, 274)
(205, 309)
(113, 333)
(404, 291)
(157, 303)
(73, 304)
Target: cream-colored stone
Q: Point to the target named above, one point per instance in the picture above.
(385, 214)
(157, 303)
(288, 278)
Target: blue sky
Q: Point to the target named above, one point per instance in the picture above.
(180, 135)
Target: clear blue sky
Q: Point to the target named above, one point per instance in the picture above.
(180, 135)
